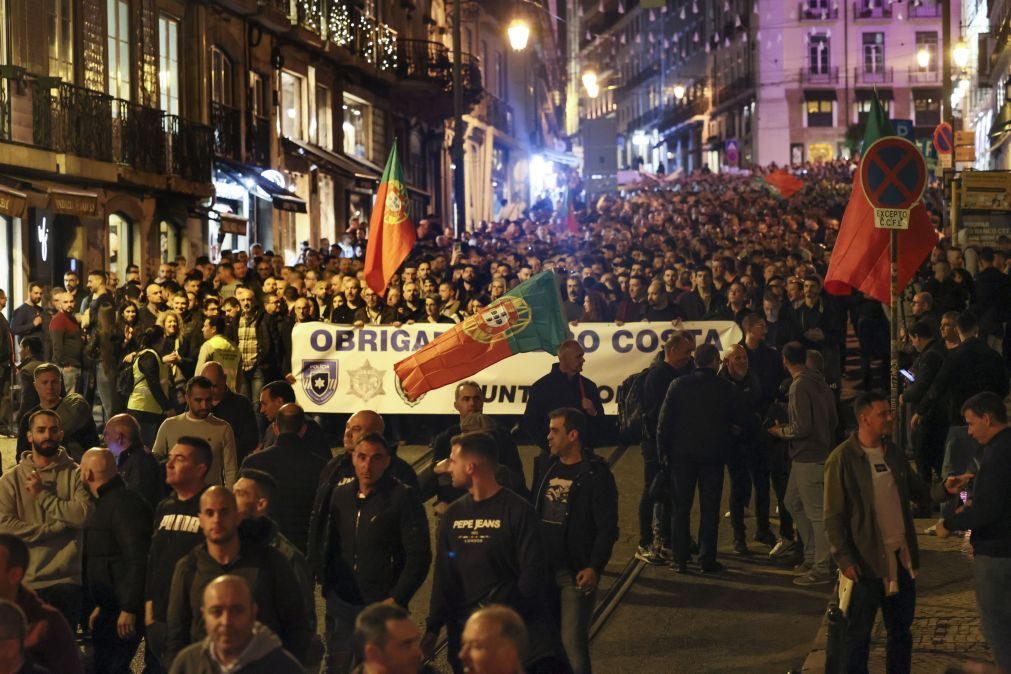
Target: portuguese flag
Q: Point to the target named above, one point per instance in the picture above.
(391, 232)
(783, 183)
(861, 257)
(530, 317)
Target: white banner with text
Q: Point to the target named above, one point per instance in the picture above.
(342, 369)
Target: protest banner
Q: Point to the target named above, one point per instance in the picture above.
(342, 369)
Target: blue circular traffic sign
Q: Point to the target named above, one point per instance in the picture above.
(893, 173)
(944, 139)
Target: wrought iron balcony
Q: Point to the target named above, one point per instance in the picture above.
(363, 36)
(819, 75)
(432, 62)
(868, 10)
(918, 76)
(728, 92)
(681, 111)
(258, 141)
(875, 76)
(807, 12)
(226, 122)
(925, 9)
(495, 112)
(49, 114)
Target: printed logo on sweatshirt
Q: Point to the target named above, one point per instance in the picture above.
(186, 523)
(475, 530)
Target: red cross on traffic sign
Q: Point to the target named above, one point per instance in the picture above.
(892, 176)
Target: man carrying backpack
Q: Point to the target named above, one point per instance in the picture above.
(676, 361)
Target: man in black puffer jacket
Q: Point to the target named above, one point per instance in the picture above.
(116, 541)
(376, 547)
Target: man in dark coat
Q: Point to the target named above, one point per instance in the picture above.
(928, 434)
(138, 467)
(564, 386)
(116, 541)
(696, 433)
(233, 408)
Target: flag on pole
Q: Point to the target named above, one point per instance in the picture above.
(391, 232)
(783, 183)
(861, 258)
(571, 224)
(530, 317)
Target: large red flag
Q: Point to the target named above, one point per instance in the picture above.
(391, 232)
(786, 184)
(860, 258)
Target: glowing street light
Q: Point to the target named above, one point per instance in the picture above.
(960, 54)
(591, 84)
(679, 91)
(923, 58)
(519, 34)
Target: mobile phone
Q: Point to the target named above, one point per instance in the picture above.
(909, 376)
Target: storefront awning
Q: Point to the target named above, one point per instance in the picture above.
(251, 177)
(232, 224)
(333, 162)
(72, 202)
(819, 94)
(13, 203)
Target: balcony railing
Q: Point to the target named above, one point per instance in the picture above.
(424, 61)
(732, 90)
(49, 114)
(867, 10)
(819, 75)
(684, 110)
(805, 12)
(226, 122)
(258, 140)
(927, 9)
(495, 112)
(876, 76)
(363, 36)
(917, 76)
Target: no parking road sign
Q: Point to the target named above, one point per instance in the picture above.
(944, 139)
(892, 176)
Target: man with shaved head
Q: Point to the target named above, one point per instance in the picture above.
(147, 317)
(564, 386)
(67, 340)
(295, 470)
(236, 409)
(116, 541)
(274, 586)
(236, 641)
(137, 466)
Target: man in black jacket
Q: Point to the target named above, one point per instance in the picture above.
(577, 500)
(275, 588)
(116, 541)
(928, 433)
(295, 470)
(695, 433)
(28, 319)
(968, 369)
(654, 515)
(277, 394)
(988, 515)
(564, 386)
(137, 466)
(376, 549)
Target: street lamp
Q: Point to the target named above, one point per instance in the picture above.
(960, 54)
(923, 58)
(519, 34)
(679, 91)
(591, 84)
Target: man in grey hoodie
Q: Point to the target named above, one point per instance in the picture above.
(236, 642)
(44, 502)
(811, 433)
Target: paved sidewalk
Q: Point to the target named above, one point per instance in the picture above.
(946, 627)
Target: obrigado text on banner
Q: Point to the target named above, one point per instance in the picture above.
(342, 369)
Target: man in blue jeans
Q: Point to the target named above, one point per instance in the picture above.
(988, 514)
(577, 500)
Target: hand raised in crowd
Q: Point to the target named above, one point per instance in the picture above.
(955, 483)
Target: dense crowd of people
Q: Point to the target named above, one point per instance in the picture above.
(170, 487)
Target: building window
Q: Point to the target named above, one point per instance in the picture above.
(357, 127)
(503, 75)
(61, 39)
(221, 77)
(927, 108)
(818, 59)
(874, 53)
(324, 117)
(926, 41)
(292, 105)
(819, 113)
(256, 95)
(168, 63)
(118, 56)
(864, 109)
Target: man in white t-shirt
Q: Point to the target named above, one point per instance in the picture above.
(869, 525)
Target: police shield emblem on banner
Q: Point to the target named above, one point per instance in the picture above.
(319, 379)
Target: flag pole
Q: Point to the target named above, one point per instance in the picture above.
(893, 370)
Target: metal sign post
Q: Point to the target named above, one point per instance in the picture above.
(893, 176)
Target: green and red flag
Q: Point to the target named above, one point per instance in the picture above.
(530, 317)
(783, 183)
(861, 258)
(571, 223)
(391, 232)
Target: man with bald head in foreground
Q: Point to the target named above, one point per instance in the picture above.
(235, 641)
(234, 408)
(137, 466)
(116, 540)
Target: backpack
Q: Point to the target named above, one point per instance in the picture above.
(124, 380)
(629, 396)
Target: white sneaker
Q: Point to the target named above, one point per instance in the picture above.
(782, 548)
